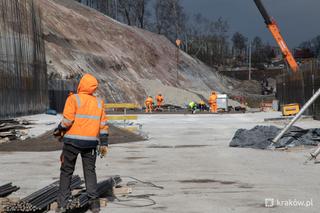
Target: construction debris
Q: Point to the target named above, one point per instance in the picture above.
(7, 189)
(105, 188)
(260, 137)
(41, 199)
(13, 130)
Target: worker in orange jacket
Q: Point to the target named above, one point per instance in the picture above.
(83, 127)
(160, 100)
(213, 102)
(149, 104)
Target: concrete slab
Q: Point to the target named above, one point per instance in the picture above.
(189, 156)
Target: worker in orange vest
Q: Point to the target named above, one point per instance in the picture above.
(149, 104)
(160, 100)
(213, 102)
(82, 130)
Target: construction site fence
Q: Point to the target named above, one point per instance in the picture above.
(23, 70)
(258, 75)
(59, 90)
(300, 86)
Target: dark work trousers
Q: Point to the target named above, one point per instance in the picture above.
(69, 158)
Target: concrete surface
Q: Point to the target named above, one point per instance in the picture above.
(189, 156)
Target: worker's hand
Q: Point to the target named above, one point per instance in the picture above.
(59, 133)
(103, 150)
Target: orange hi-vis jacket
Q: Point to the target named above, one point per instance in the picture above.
(84, 116)
(160, 99)
(148, 102)
(213, 99)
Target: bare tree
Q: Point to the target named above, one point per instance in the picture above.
(170, 18)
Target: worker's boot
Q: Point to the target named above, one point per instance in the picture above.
(94, 205)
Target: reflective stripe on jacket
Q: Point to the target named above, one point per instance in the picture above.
(84, 115)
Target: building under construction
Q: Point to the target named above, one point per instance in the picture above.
(300, 86)
(23, 89)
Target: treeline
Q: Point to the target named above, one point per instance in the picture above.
(312, 45)
(202, 38)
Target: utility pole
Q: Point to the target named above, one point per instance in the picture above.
(116, 6)
(178, 43)
(250, 53)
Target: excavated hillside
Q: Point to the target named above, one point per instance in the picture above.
(130, 63)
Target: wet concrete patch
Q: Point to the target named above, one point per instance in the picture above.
(208, 181)
(160, 147)
(160, 208)
(176, 147)
(190, 146)
(246, 186)
(136, 158)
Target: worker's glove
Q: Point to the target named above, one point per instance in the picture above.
(59, 132)
(103, 150)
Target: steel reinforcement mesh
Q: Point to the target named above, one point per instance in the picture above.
(23, 74)
(299, 87)
(59, 91)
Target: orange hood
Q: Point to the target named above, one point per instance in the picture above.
(88, 84)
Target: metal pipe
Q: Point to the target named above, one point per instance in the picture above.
(304, 108)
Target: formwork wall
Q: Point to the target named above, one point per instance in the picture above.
(59, 91)
(299, 87)
(23, 74)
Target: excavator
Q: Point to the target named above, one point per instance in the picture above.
(275, 31)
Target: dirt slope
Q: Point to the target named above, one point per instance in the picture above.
(129, 62)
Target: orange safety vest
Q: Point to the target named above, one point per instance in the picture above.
(84, 114)
(213, 99)
(149, 101)
(159, 99)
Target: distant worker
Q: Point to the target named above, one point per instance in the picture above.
(213, 102)
(160, 100)
(149, 104)
(193, 107)
(202, 106)
(82, 129)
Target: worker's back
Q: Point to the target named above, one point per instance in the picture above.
(160, 98)
(149, 100)
(86, 113)
(213, 98)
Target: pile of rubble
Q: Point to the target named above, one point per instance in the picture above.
(260, 137)
(12, 129)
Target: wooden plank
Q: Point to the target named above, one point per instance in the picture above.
(122, 117)
(103, 202)
(123, 190)
(121, 106)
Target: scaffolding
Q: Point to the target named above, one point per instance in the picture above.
(23, 70)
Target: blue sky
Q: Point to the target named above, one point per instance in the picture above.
(298, 19)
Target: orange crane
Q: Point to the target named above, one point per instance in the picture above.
(275, 31)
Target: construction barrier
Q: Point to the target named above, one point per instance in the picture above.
(123, 117)
(121, 106)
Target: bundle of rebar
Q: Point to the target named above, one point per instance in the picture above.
(104, 187)
(7, 189)
(41, 199)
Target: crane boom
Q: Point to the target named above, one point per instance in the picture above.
(275, 31)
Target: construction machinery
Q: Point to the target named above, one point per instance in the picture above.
(275, 31)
